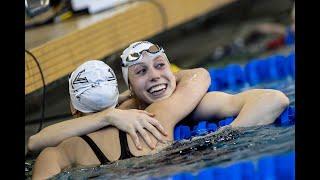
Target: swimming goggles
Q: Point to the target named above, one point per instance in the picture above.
(153, 49)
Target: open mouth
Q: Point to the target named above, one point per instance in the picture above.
(158, 89)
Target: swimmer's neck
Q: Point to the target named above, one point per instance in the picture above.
(142, 105)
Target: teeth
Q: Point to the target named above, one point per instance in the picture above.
(157, 88)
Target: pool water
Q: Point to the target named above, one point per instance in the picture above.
(220, 148)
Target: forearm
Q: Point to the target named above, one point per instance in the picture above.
(261, 108)
(217, 105)
(252, 107)
(54, 134)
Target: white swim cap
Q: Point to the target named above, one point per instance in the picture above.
(93, 87)
(133, 55)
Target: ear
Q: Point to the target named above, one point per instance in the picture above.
(129, 85)
(73, 110)
(130, 89)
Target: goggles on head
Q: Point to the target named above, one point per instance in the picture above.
(132, 57)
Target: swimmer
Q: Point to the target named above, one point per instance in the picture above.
(171, 98)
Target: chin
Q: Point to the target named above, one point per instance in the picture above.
(161, 98)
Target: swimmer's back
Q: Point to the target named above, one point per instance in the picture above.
(79, 152)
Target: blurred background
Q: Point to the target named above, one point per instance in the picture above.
(62, 34)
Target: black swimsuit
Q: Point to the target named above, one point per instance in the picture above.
(125, 152)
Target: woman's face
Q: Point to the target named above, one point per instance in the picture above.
(152, 79)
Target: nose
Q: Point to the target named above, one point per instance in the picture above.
(154, 75)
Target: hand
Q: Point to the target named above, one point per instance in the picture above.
(133, 121)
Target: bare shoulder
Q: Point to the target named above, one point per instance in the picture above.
(71, 145)
(71, 141)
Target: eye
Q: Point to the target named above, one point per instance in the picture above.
(141, 71)
(160, 65)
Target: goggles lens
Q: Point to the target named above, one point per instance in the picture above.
(154, 49)
(136, 55)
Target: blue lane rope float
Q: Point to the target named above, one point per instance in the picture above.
(289, 38)
(231, 77)
(234, 77)
(251, 73)
(217, 79)
(275, 167)
(201, 128)
(225, 121)
(287, 117)
(290, 62)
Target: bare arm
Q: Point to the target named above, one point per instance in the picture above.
(126, 120)
(252, 107)
(56, 133)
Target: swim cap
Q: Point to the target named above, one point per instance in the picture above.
(93, 87)
(133, 55)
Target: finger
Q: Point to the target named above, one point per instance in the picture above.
(156, 123)
(135, 139)
(153, 131)
(147, 113)
(145, 136)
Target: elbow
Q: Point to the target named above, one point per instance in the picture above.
(277, 101)
(205, 75)
(281, 101)
(31, 143)
(284, 100)
(34, 143)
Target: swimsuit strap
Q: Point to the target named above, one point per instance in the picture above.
(102, 158)
(125, 151)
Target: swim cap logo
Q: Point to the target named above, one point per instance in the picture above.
(78, 79)
(112, 77)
